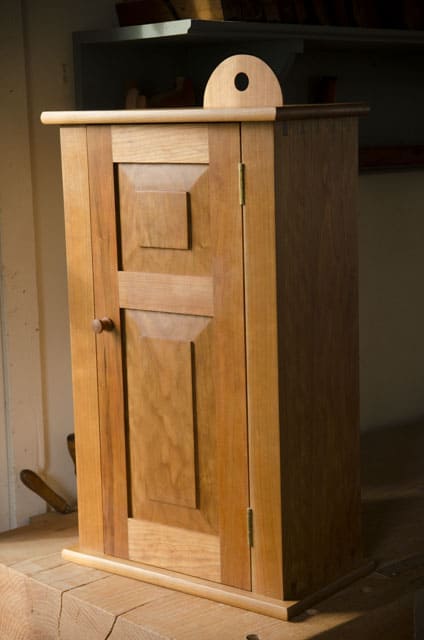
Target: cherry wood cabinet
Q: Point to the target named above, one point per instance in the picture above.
(212, 269)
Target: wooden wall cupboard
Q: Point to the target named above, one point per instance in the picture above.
(216, 391)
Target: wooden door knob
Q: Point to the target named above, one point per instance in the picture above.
(102, 324)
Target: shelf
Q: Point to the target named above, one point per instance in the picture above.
(382, 67)
(206, 31)
(391, 158)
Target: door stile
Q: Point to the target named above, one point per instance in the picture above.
(76, 195)
(257, 144)
(108, 343)
(229, 359)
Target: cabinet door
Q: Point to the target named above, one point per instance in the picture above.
(168, 270)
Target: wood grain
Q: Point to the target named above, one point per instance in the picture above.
(179, 582)
(19, 618)
(257, 143)
(318, 351)
(83, 347)
(219, 386)
(166, 292)
(161, 219)
(108, 344)
(180, 331)
(191, 553)
(91, 610)
(156, 116)
(160, 143)
(188, 178)
(281, 609)
(245, 114)
(162, 425)
(228, 364)
(262, 90)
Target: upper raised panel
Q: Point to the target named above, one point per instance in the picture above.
(160, 143)
(163, 221)
(165, 208)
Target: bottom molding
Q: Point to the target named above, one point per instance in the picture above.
(281, 609)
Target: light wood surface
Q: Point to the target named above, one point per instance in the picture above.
(185, 399)
(134, 180)
(92, 611)
(197, 334)
(179, 582)
(257, 144)
(164, 546)
(154, 116)
(245, 114)
(151, 144)
(84, 358)
(108, 344)
(228, 363)
(261, 87)
(280, 609)
(164, 437)
(164, 219)
(318, 351)
(166, 292)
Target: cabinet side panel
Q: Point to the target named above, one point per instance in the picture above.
(318, 351)
(262, 359)
(83, 347)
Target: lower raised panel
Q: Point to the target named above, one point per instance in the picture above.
(162, 421)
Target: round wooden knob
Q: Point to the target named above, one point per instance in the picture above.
(102, 324)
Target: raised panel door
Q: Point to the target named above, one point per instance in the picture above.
(168, 270)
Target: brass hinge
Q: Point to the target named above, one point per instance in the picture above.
(242, 183)
(250, 527)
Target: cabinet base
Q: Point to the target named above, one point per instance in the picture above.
(281, 609)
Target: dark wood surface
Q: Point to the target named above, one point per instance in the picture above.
(391, 157)
(257, 143)
(318, 351)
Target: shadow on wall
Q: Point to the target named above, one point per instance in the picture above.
(391, 261)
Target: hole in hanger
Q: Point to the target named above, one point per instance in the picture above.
(241, 81)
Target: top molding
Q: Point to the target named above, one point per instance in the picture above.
(170, 116)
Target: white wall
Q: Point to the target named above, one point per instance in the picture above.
(36, 73)
(21, 420)
(48, 39)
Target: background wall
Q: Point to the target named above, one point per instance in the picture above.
(39, 54)
(36, 73)
(391, 262)
(48, 28)
(21, 418)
